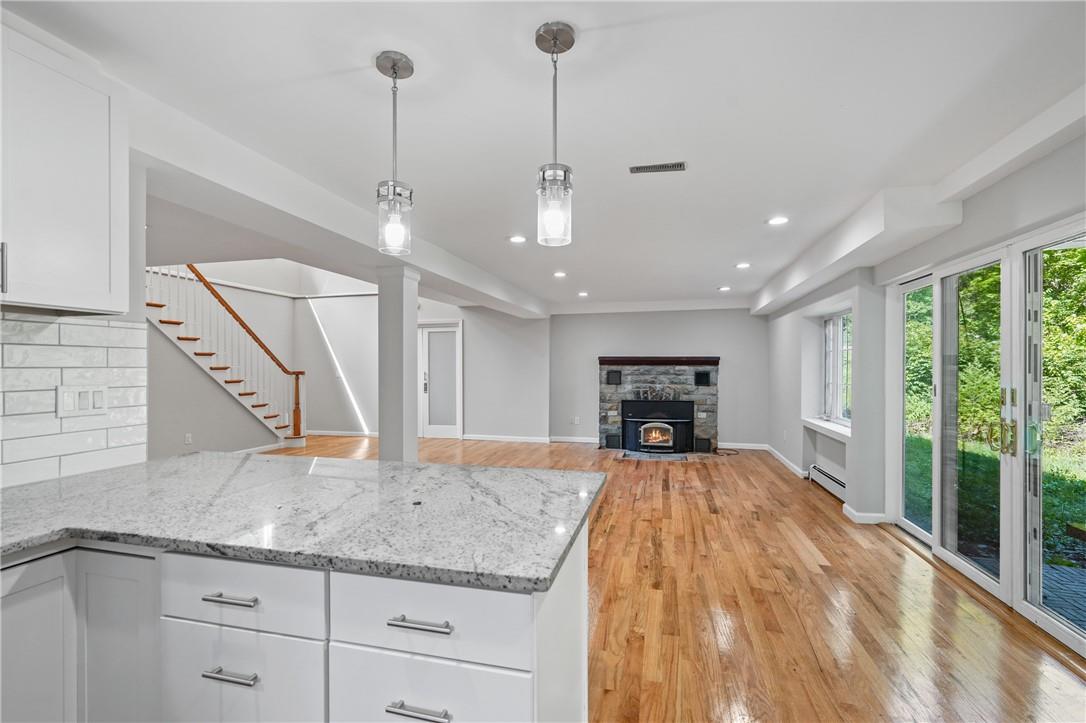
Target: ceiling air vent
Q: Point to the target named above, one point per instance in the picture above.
(660, 167)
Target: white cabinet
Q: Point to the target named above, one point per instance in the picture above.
(364, 681)
(38, 630)
(80, 638)
(214, 673)
(65, 182)
(117, 597)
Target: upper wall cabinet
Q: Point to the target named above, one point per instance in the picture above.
(65, 182)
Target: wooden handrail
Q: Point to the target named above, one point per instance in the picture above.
(237, 317)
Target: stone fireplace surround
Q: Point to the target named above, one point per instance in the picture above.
(659, 378)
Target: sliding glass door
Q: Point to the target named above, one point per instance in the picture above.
(1055, 430)
(992, 466)
(916, 442)
(976, 430)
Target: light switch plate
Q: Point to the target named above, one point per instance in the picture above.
(81, 401)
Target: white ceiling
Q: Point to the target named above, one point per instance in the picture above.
(806, 109)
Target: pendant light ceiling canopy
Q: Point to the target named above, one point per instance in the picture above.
(394, 198)
(554, 213)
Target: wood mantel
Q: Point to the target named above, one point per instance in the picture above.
(679, 361)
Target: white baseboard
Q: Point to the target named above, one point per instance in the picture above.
(505, 438)
(261, 448)
(585, 440)
(863, 518)
(339, 433)
(742, 445)
(786, 462)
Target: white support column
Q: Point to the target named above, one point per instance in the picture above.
(397, 363)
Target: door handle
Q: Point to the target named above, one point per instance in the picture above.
(990, 434)
(1011, 446)
(398, 707)
(223, 676)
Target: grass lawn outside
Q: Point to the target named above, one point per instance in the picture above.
(1063, 490)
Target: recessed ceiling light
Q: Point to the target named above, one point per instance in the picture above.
(778, 221)
(582, 293)
(724, 288)
(518, 239)
(742, 265)
(559, 274)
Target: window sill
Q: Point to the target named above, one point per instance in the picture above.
(840, 432)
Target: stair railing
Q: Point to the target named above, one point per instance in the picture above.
(219, 334)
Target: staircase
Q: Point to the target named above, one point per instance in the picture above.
(184, 306)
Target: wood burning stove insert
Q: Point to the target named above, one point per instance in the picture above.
(657, 426)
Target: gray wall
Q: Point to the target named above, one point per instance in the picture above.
(182, 398)
(506, 374)
(739, 339)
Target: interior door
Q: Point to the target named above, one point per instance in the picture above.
(440, 397)
(977, 432)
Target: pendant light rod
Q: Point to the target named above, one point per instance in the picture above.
(554, 101)
(395, 93)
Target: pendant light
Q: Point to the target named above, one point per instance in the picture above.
(394, 199)
(554, 214)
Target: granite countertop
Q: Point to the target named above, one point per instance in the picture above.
(488, 527)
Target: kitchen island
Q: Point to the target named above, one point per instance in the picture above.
(247, 587)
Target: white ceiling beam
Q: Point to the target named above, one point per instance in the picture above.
(1059, 124)
(215, 175)
(894, 220)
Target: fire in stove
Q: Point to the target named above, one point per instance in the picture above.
(657, 434)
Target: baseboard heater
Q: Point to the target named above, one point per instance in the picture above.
(835, 486)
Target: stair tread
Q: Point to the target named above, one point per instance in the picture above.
(270, 416)
(219, 367)
(259, 405)
(174, 322)
(281, 426)
(188, 338)
(233, 381)
(203, 353)
(154, 304)
(246, 394)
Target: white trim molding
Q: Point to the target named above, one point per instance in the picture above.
(786, 462)
(863, 518)
(505, 438)
(742, 445)
(261, 448)
(339, 433)
(578, 440)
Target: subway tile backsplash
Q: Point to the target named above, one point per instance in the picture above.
(39, 352)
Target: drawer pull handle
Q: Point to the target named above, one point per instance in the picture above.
(217, 673)
(222, 599)
(409, 711)
(401, 621)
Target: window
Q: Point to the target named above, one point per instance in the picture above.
(837, 368)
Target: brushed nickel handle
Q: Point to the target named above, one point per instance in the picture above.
(223, 599)
(401, 621)
(409, 711)
(217, 673)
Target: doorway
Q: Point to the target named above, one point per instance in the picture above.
(441, 395)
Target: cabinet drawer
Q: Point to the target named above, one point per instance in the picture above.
(252, 595)
(290, 674)
(363, 681)
(484, 626)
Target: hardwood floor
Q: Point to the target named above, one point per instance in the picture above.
(726, 588)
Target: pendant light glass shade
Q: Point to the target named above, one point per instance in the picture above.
(554, 214)
(394, 204)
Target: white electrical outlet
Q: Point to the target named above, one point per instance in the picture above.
(702, 415)
(575, 420)
(188, 437)
(81, 401)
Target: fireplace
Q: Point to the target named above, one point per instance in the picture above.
(657, 425)
(657, 434)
